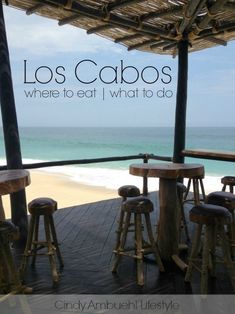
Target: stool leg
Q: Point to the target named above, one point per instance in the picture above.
(35, 240)
(54, 237)
(205, 261)
(11, 275)
(50, 253)
(231, 188)
(139, 249)
(183, 219)
(187, 190)
(194, 252)
(153, 244)
(227, 257)
(212, 239)
(196, 192)
(119, 251)
(120, 229)
(28, 247)
(203, 190)
(224, 188)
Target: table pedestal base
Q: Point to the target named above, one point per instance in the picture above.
(168, 230)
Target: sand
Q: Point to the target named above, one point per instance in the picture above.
(65, 191)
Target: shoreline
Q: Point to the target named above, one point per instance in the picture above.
(69, 192)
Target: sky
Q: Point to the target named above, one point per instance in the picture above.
(53, 68)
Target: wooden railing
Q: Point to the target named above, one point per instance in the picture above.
(209, 154)
(145, 157)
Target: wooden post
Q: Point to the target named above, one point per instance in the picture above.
(10, 129)
(145, 179)
(181, 102)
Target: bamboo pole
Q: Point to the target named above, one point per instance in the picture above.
(10, 129)
(181, 102)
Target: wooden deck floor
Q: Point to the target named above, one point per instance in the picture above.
(86, 235)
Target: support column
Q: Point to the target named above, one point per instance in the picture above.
(10, 130)
(181, 102)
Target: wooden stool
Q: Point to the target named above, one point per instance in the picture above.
(125, 192)
(42, 207)
(138, 206)
(227, 200)
(197, 181)
(213, 218)
(230, 181)
(181, 189)
(9, 276)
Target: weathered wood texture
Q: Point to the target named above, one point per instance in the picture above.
(86, 234)
(13, 180)
(168, 173)
(10, 129)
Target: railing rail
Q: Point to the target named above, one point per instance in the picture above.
(145, 158)
(90, 161)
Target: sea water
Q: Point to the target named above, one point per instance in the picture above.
(53, 144)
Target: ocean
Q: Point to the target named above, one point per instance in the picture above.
(47, 144)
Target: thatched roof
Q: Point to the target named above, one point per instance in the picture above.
(148, 25)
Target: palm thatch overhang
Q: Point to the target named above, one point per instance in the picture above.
(147, 25)
(173, 27)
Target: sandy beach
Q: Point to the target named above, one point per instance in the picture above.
(59, 187)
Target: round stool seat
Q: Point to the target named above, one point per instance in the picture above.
(225, 199)
(128, 191)
(9, 230)
(228, 180)
(209, 214)
(181, 188)
(42, 206)
(138, 205)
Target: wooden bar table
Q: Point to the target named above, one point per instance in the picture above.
(168, 173)
(12, 181)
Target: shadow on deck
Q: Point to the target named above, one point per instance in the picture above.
(86, 234)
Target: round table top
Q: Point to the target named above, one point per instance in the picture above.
(167, 170)
(13, 180)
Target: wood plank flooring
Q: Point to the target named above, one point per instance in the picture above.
(86, 234)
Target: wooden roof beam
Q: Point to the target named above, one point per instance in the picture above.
(190, 14)
(212, 11)
(128, 37)
(116, 20)
(143, 44)
(99, 28)
(157, 45)
(230, 6)
(161, 13)
(120, 4)
(35, 8)
(217, 41)
(170, 46)
(69, 19)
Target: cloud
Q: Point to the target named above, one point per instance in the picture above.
(40, 36)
